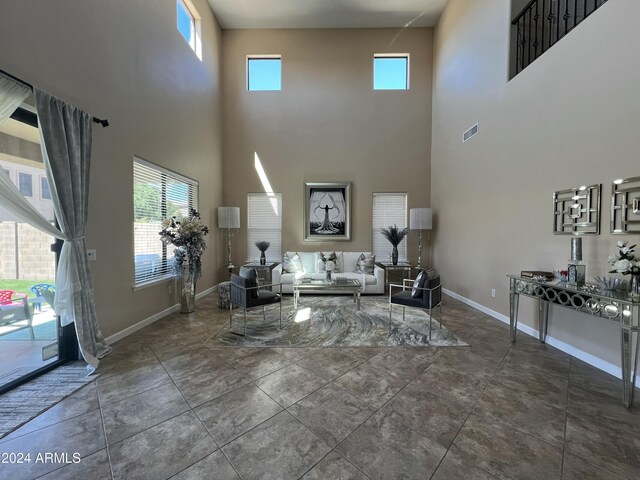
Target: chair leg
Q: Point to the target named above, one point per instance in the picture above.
(264, 317)
(245, 322)
(230, 315)
(430, 311)
(441, 313)
(390, 308)
(403, 313)
(280, 312)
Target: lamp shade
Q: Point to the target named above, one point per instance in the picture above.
(228, 217)
(420, 219)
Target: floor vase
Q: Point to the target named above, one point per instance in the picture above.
(187, 290)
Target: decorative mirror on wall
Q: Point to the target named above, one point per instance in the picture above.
(577, 211)
(625, 206)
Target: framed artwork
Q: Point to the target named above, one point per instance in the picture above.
(327, 211)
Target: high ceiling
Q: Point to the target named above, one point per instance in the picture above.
(326, 13)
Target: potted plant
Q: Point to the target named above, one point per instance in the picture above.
(187, 235)
(262, 246)
(395, 235)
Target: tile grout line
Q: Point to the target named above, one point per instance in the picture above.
(467, 419)
(375, 411)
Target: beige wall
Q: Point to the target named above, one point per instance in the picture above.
(327, 124)
(571, 118)
(125, 60)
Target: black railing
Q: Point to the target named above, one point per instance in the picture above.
(541, 23)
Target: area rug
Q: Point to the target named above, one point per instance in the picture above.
(323, 321)
(27, 401)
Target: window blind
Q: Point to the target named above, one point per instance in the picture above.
(388, 209)
(264, 222)
(158, 193)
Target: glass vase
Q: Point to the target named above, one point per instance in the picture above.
(187, 290)
(328, 276)
(634, 287)
(394, 255)
(263, 259)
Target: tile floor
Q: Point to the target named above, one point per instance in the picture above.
(165, 407)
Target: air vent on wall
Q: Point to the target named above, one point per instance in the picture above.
(469, 134)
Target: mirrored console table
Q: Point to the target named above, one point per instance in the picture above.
(610, 305)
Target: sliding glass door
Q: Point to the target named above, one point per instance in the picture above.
(30, 335)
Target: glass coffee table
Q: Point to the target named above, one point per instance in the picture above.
(338, 286)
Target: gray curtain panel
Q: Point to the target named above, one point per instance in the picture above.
(65, 132)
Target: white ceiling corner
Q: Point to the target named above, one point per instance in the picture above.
(248, 14)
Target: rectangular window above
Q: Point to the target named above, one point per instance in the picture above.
(45, 193)
(158, 193)
(25, 184)
(189, 25)
(264, 73)
(264, 223)
(389, 209)
(391, 71)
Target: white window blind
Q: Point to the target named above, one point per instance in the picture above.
(264, 222)
(158, 193)
(388, 209)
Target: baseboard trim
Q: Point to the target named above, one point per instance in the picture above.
(592, 360)
(153, 318)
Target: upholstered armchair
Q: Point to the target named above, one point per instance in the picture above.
(426, 295)
(247, 294)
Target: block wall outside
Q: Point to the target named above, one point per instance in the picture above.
(35, 260)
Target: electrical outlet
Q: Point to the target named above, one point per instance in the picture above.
(493, 292)
(92, 255)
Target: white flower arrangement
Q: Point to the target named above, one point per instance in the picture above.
(625, 261)
(187, 235)
(330, 265)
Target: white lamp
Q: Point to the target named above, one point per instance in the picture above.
(229, 218)
(420, 219)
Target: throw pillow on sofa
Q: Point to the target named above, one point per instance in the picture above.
(292, 264)
(322, 259)
(365, 265)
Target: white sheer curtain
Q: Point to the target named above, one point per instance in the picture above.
(12, 94)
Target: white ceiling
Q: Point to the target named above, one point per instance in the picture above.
(326, 13)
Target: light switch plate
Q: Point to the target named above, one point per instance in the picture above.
(92, 255)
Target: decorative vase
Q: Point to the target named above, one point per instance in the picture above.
(394, 255)
(634, 287)
(263, 258)
(187, 290)
(328, 277)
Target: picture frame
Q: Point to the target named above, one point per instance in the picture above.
(327, 211)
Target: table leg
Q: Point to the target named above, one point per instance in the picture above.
(543, 319)
(296, 292)
(358, 300)
(629, 339)
(514, 299)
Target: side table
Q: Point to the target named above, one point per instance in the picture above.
(264, 271)
(403, 269)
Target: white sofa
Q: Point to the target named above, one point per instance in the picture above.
(372, 284)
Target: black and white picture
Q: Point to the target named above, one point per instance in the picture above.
(327, 211)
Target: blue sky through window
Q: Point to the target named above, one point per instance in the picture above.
(265, 73)
(185, 21)
(390, 73)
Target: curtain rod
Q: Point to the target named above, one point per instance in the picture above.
(104, 123)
